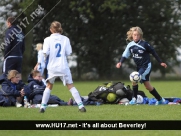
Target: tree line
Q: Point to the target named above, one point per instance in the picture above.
(97, 31)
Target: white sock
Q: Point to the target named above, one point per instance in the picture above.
(46, 96)
(76, 97)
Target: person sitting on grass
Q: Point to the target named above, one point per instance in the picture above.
(12, 91)
(37, 88)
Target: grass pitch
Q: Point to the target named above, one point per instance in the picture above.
(103, 112)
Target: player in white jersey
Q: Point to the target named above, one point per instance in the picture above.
(58, 47)
(40, 66)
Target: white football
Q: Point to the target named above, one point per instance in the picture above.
(135, 77)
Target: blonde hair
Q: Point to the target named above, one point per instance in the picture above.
(34, 73)
(39, 46)
(130, 33)
(56, 27)
(12, 73)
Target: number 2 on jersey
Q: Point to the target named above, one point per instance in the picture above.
(58, 45)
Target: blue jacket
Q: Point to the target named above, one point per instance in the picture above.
(35, 86)
(9, 92)
(10, 89)
(14, 42)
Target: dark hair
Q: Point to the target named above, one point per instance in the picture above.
(12, 20)
(34, 73)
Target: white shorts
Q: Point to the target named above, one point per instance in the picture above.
(66, 79)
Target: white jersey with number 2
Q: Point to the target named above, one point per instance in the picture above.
(57, 47)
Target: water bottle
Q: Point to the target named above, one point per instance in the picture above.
(25, 102)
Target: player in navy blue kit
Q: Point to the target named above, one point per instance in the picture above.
(140, 51)
(14, 48)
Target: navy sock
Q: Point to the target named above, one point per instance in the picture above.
(156, 94)
(135, 91)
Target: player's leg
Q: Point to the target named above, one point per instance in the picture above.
(7, 65)
(46, 94)
(18, 62)
(154, 92)
(143, 72)
(76, 97)
(135, 92)
(151, 89)
(13, 63)
(69, 83)
(135, 87)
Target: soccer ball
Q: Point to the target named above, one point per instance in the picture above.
(135, 77)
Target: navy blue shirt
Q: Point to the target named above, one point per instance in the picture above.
(140, 52)
(14, 40)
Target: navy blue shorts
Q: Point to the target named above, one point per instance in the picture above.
(145, 73)
(12, 63)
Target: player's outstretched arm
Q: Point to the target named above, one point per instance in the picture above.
(163, 65)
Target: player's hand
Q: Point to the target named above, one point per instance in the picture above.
(118, 65)
(163, 65)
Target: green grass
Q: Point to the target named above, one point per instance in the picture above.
(103, 112)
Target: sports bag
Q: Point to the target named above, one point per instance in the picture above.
(118, 88)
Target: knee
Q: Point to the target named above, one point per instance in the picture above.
(69, 86)
(149, 88)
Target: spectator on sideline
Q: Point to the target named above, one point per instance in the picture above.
(11, 92)
(15, 47)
